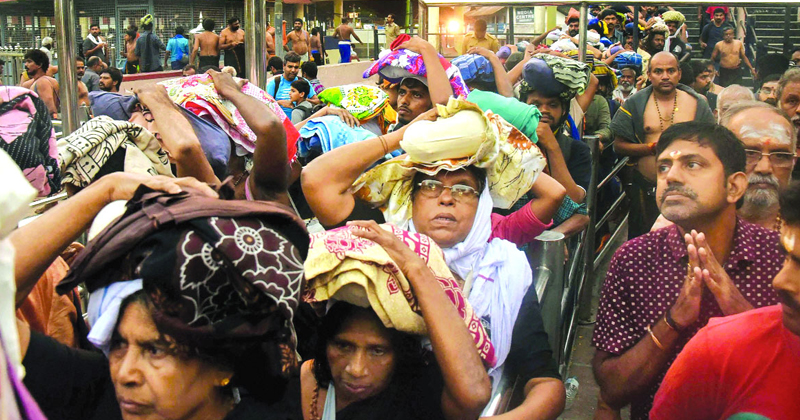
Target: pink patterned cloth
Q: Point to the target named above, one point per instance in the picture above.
(198, 95)
(349, 268)
(402, 63)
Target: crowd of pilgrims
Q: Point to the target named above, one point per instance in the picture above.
(356, 252)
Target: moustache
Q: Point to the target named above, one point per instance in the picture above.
(770, 180)
(679, 189)
(787, 300)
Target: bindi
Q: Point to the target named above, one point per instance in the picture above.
(675, 154)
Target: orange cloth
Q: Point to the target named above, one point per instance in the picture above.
(46, 311)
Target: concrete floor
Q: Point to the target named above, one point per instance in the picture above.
(582, 352)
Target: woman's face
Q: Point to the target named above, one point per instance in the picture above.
(153, 384)
(361, 358)
(443, 218)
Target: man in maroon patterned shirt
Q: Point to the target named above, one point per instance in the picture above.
(662, 287)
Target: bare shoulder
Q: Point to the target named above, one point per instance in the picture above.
(685, 96)
(27, 84)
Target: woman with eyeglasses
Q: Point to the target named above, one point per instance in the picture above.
(453, 206)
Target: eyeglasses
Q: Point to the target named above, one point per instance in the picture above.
(776, 159)
(433, 189)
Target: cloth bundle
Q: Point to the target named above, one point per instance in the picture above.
(474, 67)
(629, 59)
(28, 137)
(362, 101)
(401, 63)
(601, 70)
(557, 76)
(84, 152)
(522, 116)
(326, 133)
(344, 267)
(114, 105)
(197, 94)
(511, 160)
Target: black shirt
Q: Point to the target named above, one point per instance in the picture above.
(578, 157)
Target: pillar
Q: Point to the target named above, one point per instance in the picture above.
(300, 12)
(434, 27)
(338, 12)
(65, 35)
(277, 22)
(255, 21)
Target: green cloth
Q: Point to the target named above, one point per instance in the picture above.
(521, 115)
(747, 416)
(598, 119)
(362, 101)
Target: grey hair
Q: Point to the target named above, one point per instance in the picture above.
(731, 95)
(743, 106)
(791, 75)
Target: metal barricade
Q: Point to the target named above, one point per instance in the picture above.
(546, 258)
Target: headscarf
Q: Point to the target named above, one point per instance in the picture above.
(345, 267)
(401, 63)
(29, 139)
(211, 280)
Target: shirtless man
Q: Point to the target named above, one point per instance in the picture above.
(639, 124)
(270, 44)
(83, 92)
(344, 32)
(132, 60)
(231, 39)
(207, 43)
(36, 65)
(730, 53)
(299, 39)
(317, 52)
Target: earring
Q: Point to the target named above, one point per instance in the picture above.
(225, 382)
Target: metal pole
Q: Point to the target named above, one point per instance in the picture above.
(635, 29)
(510, 38)
(377, 47)
(787, 26)
(278, 24)
(584, 22)
(423, 21)
(65, 35)
(255, 25)
(409, 17)
(586, 284)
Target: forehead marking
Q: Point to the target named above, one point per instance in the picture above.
(675, 154)
(773, 132)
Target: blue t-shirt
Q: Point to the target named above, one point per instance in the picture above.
(174, 45)
(283, 92)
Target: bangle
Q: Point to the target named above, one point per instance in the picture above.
(385, 146)
(671, 322)
(655, 339)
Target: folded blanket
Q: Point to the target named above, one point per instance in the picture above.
(348, 268)
(84, 152)
(474, 67)
(401, 63)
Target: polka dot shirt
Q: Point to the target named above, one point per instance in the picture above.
(646, 275)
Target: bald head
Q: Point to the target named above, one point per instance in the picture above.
(732, 95)
(664, 72)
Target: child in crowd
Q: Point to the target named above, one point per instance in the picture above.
(309, 69)
(298, 94)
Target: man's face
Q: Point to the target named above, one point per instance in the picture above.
(629, 42)
(627, 80)
(290, 70)
(769, 93)
(235, 26)
(664, 73)
(480, 30)
(691, 185)
(31, 67)
(80, 69)
(298, 26)
(95, 30)
(189, 72)
(702, 82)
(574, 27)
(611, 22)
(763, 132)
(796, 58)
(550, 107)
(719, 16)
(106, 82)
(389, 19)
(412, 101)
(727, 36)
(787, 282)
(673, 27)
(658, 42)
(790, 102)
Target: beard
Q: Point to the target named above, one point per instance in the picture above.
(625, 87)
(761, 198)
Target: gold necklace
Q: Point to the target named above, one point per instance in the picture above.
(672, 117)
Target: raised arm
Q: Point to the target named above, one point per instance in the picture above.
(557, 164)
(62, 224)
(271, 163)
(504, 87)
(438, 83)
(466, 385)
(585, 99)
(326, 181)
(177, 134)
(539, 38)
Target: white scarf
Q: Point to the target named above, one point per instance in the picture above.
(91, 37)
(501, 277)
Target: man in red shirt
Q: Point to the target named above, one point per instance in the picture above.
(746, 363)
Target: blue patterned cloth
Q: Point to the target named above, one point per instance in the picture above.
(326, 133)
(474, 67)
